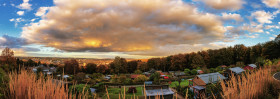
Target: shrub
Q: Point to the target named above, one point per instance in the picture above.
(140, 79)
(132, 90)
(138, 72)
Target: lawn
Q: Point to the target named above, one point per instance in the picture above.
(183, 83)
(114, 93)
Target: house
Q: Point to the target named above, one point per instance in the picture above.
(152, 91)
(204, 79)
(200, 72)
(148, 82)
(199, 82)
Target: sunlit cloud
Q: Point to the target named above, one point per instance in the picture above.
(104, 26)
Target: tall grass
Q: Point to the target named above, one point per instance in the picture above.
(258, 84)
(26, 85)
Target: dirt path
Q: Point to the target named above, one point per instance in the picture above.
(178, 95)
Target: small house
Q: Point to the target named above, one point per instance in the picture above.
(179, 74)
(152, 91)
(204, 79)
(199, 82)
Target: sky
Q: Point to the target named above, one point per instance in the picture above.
(133, 28)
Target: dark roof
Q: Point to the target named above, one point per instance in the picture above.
(211, 77)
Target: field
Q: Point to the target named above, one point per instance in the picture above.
(183, 83)
(114, 93)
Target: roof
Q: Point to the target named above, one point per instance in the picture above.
(248, 68)
(237, 70)
(198, 87)
(92, 90)
(223, 66)
(253, 65)
(200, 71)
(211, 77)
(180, 73)
(134, 75)
(156, 92)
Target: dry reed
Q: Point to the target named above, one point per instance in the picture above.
(248, 86)
(25, 85)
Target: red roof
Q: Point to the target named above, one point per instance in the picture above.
(248, 68)
(134, 76)
(165, 77)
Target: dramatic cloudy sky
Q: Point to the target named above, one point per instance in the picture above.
(133, 28)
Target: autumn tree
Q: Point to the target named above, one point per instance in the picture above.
(71, 66)
(7, 57)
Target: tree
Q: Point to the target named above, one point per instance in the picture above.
(7, 57)
(120, 65)
(101, 69)
(197, 61)
(91, 68)
(155, 77)
(178, 62)
(132, 66)
(7, 52)
(71, 66)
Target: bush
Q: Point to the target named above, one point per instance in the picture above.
(194, 72)
(138, 72)
(132, 90)
(140, 79)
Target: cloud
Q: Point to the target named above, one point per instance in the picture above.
(230, 16)
(31, 49)
(12, 42)
(20, 13)
(17, 20)
(25, 5)
(123, 26)
(264, 17)
(41, 11)
(224, 4)
(272, 3)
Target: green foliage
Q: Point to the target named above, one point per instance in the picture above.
(194, 72)
(80, 88)
(3, 82)
(267, 62)
(187, 71)
(240, 64)
(80, 77)
(138, 71)
(155, 77)
(96, 76)
(140, 79)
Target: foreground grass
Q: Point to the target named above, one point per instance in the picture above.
(26, 85)
(259, 84)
